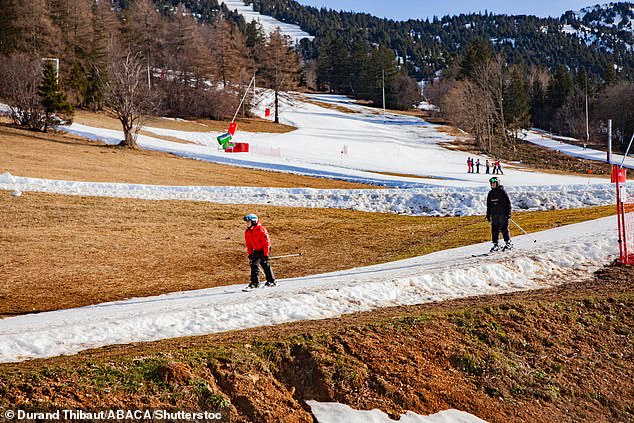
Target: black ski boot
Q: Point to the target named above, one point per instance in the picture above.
(508, 246)
(496, 247)
(251, 287)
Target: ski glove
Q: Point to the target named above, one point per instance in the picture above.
(250, 257)
(488, 218)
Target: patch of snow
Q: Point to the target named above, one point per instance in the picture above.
(332, 412)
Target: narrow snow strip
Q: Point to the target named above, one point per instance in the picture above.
(557, 254)
(437, 201)
(332, 412)
(543, 139)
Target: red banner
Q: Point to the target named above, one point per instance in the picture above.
(618, 174)
(232, 128)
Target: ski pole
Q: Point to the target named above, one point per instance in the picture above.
(522, 229)
(284, 256)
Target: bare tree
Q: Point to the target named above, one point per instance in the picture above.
(229, 52)
(127, 96)
(468, 106)
(191, 59)
(489, 76)
(21, 79)
(615, 102)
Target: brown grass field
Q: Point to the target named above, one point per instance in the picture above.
(253, 124)
(63, 251)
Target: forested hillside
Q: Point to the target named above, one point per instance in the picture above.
(429, 46)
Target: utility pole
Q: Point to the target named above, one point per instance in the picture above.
(609, 140)
(587, 127)
(383, 77)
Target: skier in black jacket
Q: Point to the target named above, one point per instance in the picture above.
(499, 213)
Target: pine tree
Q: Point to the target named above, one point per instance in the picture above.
(280, 67)
(228, 47)
(52, 99)
(516, 102)
(478, 52)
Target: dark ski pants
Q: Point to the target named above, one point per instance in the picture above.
(500, 222)
(257, 260)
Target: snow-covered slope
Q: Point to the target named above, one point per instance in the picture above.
(538, 259)
(544, 139)
(375, 145)
(268, 23)
(397, 151)
(365, 146)
(609, 26)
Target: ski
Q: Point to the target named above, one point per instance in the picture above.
(502, 250)
(249, 289)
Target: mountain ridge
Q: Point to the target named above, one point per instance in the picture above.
(430, 46)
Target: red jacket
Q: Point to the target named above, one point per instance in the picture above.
(257, 239)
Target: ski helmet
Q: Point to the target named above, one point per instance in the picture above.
(251, 217)
(494, 179)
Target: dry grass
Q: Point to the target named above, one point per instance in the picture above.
(338, 107)
(62, 251)
(69, 157)
(103, 120)
(454, 132)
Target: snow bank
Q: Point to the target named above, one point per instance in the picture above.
(437, 201)
(332, 412)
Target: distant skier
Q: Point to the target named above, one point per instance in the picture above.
(499, 213)
(477, 165)
(497, 162)
(487, 167)
(469, 165)
(258, 247)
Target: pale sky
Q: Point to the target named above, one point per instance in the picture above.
(421, 9)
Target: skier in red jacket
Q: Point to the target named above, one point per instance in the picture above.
(258, 247)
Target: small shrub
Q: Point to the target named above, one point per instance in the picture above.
(468, 363)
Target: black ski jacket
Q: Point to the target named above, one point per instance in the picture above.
(498, 202)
